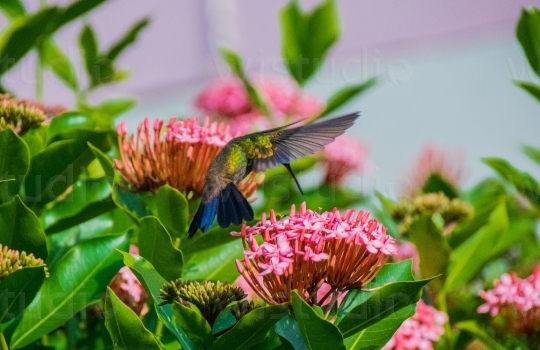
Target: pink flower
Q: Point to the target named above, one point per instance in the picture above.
(516, 300)
(343, 156)
(434, 160)
(308, 249)
(128, 288)
(420, 331)
(286, 101)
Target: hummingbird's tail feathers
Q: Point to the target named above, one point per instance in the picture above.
(287, 145)
(233, 207)
(204, 217)
(289, 169)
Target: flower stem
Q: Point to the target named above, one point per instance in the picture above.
(159, 329)
(39, 63)
(3, 344)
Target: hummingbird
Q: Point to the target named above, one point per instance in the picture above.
(258, 152)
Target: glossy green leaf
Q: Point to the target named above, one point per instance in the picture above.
(20, 229)
(531, 88)
(214, 264)
(14, 163)
(289, 332)
(307, 36)
(522, 181)
(70, 121)
(128, 39)
(18, 289)
(57, 167)
(527, 33)
(474, 329)
(22, 34)
(105, 161)
(88, 199)
(345, 95)
(435, 184)
(77, 280)
(433, 249)
(107, 111)
(194, 324)
(36, 139)
(125, 327)
(378, 334)
(156, 246)
(54, 58)
(317, 332)
(469, 258)
(131, 203)
(251, 328)
(215, 237)
(533, 153)
(384, 302)
(237, 67)
(172, 211)
(12, 8)
(152, 283)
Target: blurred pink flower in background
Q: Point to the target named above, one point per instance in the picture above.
(516, 300)
(229, 100)
(128, 288)
(420, 331)
(449, 165)
(407, 250)
(343, 156)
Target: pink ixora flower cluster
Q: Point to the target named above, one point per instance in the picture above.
(128, 288)
(228, 99)
(343, 156)
(308, 249)
(516, 300)
(178, 153)
(420, 331)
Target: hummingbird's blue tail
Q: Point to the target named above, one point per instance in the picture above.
(230, 206)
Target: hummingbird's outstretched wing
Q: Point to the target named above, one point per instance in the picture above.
(281, 146)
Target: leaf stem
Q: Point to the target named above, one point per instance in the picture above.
(39, 63)
(3, 344)
(159, 329)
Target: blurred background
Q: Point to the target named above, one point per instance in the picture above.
(445, 71)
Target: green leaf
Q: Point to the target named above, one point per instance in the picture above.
(216, 237)
(152, 283)
(105, 161)
(522, 181)
(77, 280)
(214, 264)
(75, 10)
(156, 246)
(131, 203)
(18, 289)
(36, 139)
(14, 163)
(435, 184)
(236, 65)
(125, 327)
(88, 199)
(527, 31)
(289, 332)
(378, 334)
(307, 36)
(89, 47)
(433, 249)
(384, 302)
(469, 258)
(533, 153)
(172, 211)
(20, 229)
(194, 324)
(72, 120)
(473, 328)
(12, 8)
(317, 332)
(345, 95)
(53, 57)
(128, 39)
(22, 34)
(251, 328)
(105, 112)
(531, 88)
(57, 167)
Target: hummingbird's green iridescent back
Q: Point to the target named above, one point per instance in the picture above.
(258, 152)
